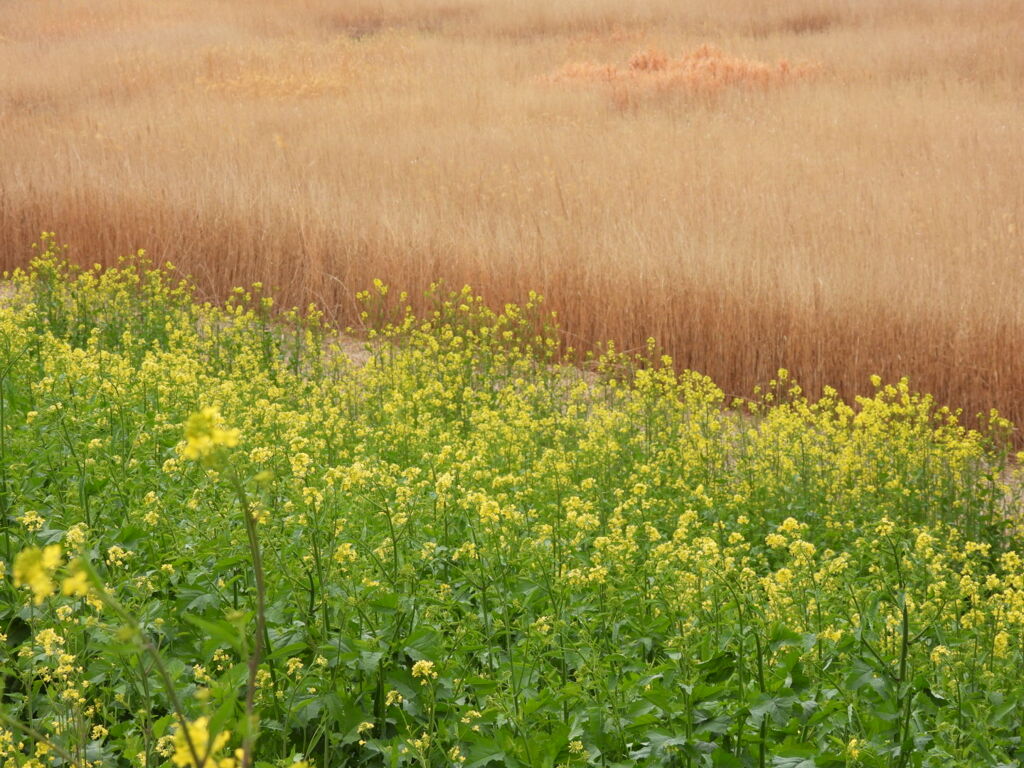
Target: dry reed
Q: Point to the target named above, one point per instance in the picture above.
(867, 219)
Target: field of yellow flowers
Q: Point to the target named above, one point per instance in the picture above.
(225, 543)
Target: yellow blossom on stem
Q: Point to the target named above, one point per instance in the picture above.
(425, 670)
(34, 567)
(78, 583)
(204, 434)
(198, 733)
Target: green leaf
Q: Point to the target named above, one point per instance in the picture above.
(219, 630)
(794, 762)
(999, 713)
(718, 668)
(484, 753)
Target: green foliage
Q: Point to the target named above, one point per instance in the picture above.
(474, 556)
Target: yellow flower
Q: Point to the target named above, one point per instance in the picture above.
(789, 525)
(117, 556)
(1001, 644)
(345, 553)
(853, 748)
(425, 670)
(204, 434)
(49, 641)
(831, 634)
(77, 584)
(75, 535)
(199, 734)
(422, 744)
(801, 550)
(32, 520)
(34, 568)
(455, 755)
(165, 746)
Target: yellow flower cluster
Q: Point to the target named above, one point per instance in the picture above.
(195, 747)
(205, 433)
(34, 568)
(424, 670)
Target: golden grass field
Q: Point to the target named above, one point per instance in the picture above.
(834, 187)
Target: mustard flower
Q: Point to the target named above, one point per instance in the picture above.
(424, 670)
(198, 733)
(204, 434)
(34, 567)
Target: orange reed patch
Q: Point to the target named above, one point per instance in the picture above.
(705, 70)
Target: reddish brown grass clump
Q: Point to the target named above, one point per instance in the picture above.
(707, 70)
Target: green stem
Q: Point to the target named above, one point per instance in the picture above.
(262, 636)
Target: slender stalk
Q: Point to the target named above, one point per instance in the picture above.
(262, 638)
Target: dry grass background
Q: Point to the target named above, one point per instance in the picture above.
(866, 217)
